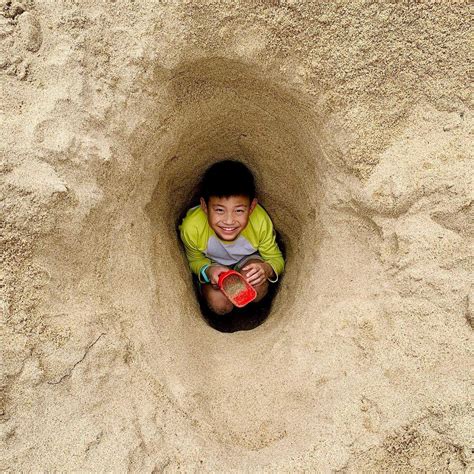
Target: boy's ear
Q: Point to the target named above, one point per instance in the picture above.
(253, 204)
(203, 205)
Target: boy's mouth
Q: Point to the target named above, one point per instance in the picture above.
(228, 230)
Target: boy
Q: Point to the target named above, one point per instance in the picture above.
(230, 230)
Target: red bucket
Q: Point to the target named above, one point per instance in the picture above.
(239, 291)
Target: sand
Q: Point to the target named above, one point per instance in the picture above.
(356, 119)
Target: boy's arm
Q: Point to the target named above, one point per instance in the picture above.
(268, 247)
(196, 259)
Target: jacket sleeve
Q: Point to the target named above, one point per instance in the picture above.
(196, 257)
(268, 247)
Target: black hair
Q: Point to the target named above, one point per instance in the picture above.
(227, 178)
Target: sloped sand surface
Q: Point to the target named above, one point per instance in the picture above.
(356, 120)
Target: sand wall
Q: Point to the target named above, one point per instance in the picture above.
(355, 118)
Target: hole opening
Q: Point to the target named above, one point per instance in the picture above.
(224, 109)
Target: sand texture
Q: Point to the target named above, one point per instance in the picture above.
(356, 118)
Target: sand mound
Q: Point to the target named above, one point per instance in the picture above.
(355, 119)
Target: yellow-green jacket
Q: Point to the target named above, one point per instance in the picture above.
(204, 247)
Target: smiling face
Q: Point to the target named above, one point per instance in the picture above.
(228, 216)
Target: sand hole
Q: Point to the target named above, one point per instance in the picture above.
(223, 109)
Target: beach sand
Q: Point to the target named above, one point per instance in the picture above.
(355, 118)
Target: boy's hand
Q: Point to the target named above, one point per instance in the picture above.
(256, 273)
(213, 273)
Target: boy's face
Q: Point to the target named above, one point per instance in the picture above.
(228, 216)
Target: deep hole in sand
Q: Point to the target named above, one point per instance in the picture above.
(249, 387)
(220, 109)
